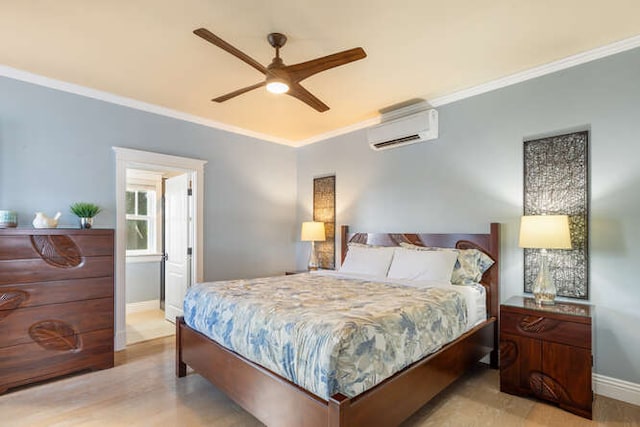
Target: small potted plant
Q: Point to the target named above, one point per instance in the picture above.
(86, 212)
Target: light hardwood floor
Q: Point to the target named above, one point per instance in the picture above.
(147, 325)
(143, 391)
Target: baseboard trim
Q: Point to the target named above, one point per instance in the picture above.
(135, 307)
(616, 389)
(120, 340)
(172, 312)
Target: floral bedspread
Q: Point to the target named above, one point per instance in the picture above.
(327, 334)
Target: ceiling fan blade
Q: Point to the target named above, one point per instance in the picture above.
(305, 96)
(238, 92)
(301, 71)
(212, 38)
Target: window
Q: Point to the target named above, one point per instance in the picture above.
(143, 206)
(141, 221)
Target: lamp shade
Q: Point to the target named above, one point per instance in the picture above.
(312, 231)
(545, 232)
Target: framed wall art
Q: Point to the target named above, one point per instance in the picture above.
(556, 182)
(324, 210)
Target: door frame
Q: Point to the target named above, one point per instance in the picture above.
(130, 158)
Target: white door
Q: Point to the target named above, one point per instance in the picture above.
(177, 265)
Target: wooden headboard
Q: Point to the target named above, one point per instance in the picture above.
(487, 243)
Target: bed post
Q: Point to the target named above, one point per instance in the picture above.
(181, 367)
(338, 404)
(344, 230)
(494, 247)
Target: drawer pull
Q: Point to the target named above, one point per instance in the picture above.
(547, 388)
(536, 325)
(11, 300)
(57, 250)
(55, 335)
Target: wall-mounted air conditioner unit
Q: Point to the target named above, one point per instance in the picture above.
(417, 127)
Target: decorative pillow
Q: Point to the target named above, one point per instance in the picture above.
(370, 260)
(473, 264)
(470, 265)
(363, 245)
(422, 265)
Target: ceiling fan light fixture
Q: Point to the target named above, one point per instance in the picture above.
(277, 86)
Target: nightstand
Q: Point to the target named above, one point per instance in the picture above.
(289, 273)
(545, 351)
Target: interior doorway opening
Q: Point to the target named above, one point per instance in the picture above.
(143, 216)
(148, 243)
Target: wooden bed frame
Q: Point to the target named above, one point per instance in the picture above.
(278, 402)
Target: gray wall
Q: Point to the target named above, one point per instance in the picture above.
(55, 149)
(143, 281)
(472, 175)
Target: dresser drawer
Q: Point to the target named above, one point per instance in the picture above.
(546, 328)
(37, 270)
(63, 246)
(43, 293)
(38, 324)
(26, 363)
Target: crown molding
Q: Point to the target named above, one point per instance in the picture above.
(337, 132)
(522, 76)
(552, 67)
(542, 70)
(25, 76)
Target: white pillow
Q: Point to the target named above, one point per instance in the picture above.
(470, 266)
(370, 260)
(422, 265)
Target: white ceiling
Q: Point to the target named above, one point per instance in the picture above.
(417, 49)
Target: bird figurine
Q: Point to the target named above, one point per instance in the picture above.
(43, 221)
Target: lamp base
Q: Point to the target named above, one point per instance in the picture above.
(544, 299)
(544, 291)
(313, 258)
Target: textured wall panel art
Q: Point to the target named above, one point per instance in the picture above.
(324, 210)
(556, 181)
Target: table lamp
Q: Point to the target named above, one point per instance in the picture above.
(313, 231)
(544, 232)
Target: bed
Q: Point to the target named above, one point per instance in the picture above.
(276, 401)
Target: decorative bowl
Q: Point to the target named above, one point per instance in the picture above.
(8, 219)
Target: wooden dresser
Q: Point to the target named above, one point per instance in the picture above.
(56, 303)
(545, 351)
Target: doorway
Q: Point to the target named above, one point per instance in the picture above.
(158, 212)
(137, 250)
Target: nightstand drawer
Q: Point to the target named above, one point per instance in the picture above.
(546, 328)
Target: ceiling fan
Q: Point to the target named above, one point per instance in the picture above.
(282, 78)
